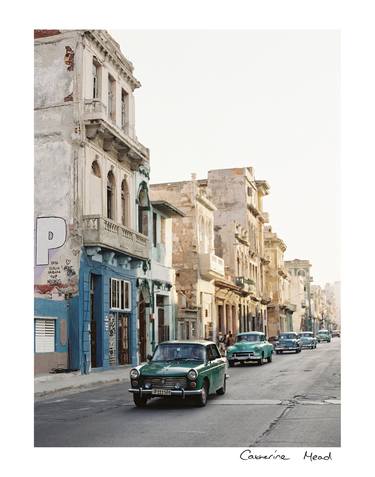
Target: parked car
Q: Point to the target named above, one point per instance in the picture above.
(250, 346)
(289, 341)
(323, 335)
(180, 368)
(335, 334)
(308, 339)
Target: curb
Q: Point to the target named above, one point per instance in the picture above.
(80, 387)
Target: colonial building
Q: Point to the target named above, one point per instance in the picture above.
(301, 268)
(239, 240)
(194, 257)
(281, 309)
(163, 318)
(93, 291)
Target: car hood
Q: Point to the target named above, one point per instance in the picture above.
(307, 338)
(170, 368)
(244, 346)
(287, 341)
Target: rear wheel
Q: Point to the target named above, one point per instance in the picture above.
(139, 401)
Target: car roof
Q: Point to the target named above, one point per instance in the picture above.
(190, 342)
(289, 333)
(323, 331)
(250, 333)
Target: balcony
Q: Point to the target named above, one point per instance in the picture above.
(100, 231)
(113, 138)
(247, 285)
(211, 266)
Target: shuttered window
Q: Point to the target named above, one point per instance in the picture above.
(120, 294)
(44, 336)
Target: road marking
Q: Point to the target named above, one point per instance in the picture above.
(57, 400)
(98, 400)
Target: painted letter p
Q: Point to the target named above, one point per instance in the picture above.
(50, 234)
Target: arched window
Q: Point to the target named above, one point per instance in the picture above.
(95, 169)
(110, 195)
(124, 203)
(143, 208)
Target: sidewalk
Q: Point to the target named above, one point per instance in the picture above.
(54, 383)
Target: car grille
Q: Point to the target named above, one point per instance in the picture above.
(165, 383)
(238, 355)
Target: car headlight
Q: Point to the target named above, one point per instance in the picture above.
(230, 348)
(192, 375)
(134, 374)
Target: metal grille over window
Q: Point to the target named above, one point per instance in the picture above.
(44, 336)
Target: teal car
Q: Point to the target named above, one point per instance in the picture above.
(308, 339)
(250, 346)
(180, 368)
(323, 335)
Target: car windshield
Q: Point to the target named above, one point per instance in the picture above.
(251, 338)
(323, 332)
(179, 352)
(288, 336)
(306, 335)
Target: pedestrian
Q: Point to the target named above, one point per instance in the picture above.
(221, 343)
(230, 339)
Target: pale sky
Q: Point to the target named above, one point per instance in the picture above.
(216, 99)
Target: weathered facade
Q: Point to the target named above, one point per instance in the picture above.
(93, 293)
(163, 318)
(239, 240)
(194, 259)
(301, 268)
(281, 308)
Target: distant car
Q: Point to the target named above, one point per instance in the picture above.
(250, 346)
(288, 341)
(308, 339)
(180, 368)
(335, 334)
(323, 335)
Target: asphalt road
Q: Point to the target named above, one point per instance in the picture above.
(292, 402)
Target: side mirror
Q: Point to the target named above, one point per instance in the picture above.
(149, 357)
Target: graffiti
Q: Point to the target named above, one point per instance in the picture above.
(69, 58)
(54, 273)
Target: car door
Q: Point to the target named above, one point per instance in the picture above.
(218, 366)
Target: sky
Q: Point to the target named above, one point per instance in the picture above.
(214, 99)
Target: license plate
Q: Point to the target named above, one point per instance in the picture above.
(161, 392)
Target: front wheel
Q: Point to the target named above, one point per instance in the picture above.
(202, 398)
(222, 390)
(139, 401)
(260, 361)
(269, 359)
(230, 363)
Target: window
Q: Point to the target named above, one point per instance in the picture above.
(124, 203)
(95, 169)
(143, 208)
(95, 79)
(124, 109)
(120, 294)
(154, 229)
(111, 98)
(110, 195)
(162, 230)
(44, 335)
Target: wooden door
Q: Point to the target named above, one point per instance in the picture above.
(123, 339)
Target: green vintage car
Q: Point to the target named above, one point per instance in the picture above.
(323, 335)
(250, 346)
(180, 368)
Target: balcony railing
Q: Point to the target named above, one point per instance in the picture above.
(97, 122)
(100, 231)
(247, 284)
(211, 266)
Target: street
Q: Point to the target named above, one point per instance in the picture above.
(292, 402)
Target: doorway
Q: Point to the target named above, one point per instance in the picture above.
(93, 320)
(142, 328)
(123, 339)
